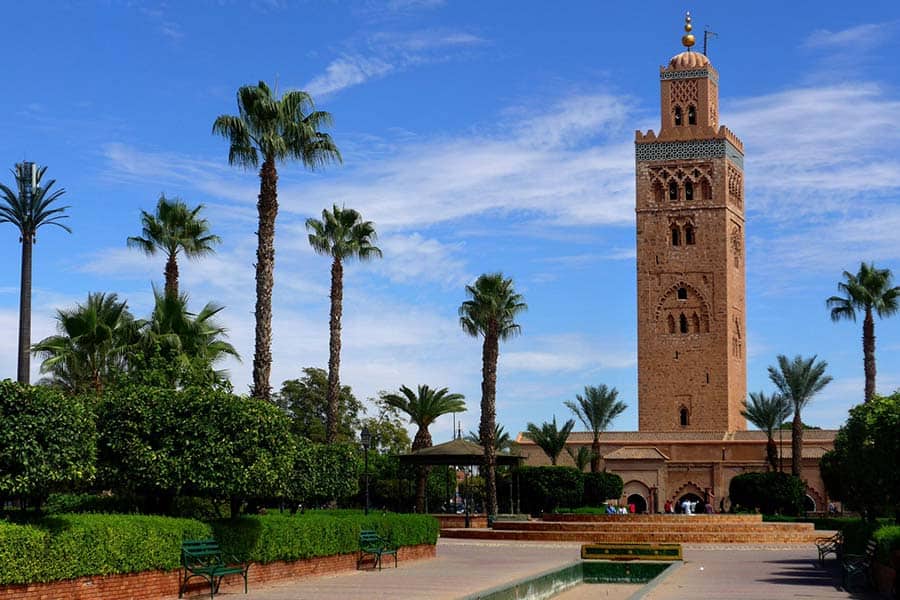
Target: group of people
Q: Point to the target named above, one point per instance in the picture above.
(620, 510)
(687, 507)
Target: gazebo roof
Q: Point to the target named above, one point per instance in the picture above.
(455, 452)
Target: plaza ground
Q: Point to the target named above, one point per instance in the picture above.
(463, 567)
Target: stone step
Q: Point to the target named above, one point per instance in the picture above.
(718, 537)
(655, 518)
(686, 524)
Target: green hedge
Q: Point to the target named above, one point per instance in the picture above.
(544, 489)
(600, 487)
(888, 539)
(66, 546)
(583, 510)
(770, 493)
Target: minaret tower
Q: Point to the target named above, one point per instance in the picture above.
(692, 366)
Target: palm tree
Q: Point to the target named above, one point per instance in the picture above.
(550, 438)
(490, 312)
(767, 413)
(28, 209)
(341, 234)
(597, 409)
(91, 345)
(273, 130)
(798, 381)
(188, 339)
(174, 228)
(582, 458)
(870, 291)
(424, 407)
(502, 441)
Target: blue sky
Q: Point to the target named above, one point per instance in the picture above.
(479, 137)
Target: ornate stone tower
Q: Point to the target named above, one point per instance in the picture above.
(692, 368)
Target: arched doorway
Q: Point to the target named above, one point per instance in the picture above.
(640, 504)
(695, 500)
(809, 503)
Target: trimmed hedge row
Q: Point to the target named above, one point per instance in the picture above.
(74, 545)
(888, 540)
(547, 489)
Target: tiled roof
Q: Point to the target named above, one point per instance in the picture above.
(637, 453)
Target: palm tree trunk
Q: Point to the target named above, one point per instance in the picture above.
(24, 367)
(772, 453)
(171, 276)
(489, 356)
(267, 208)
(869, 353)
(797, 445)
(595, 455)
(422, 440)
(334, 350)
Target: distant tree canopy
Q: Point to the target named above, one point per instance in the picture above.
(305, 401)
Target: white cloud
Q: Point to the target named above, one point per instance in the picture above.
(345, 72)
(859, 36)
(569, 353)
(415, 259)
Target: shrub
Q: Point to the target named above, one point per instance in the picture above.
(583, 510)
(888, 540)
(323, 472)
(88, 503)
(769, 493)
(47, 441)
(544, 489)
(68, 546)
(600, 487)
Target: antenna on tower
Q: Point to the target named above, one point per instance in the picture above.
(706, 35)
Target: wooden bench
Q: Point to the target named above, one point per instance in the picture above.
(830, 545)
(204, 558)
(857, 565)
(372, 544)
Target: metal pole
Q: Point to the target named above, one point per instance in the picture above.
(367, 480)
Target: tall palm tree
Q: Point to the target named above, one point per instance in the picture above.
(91, 345)
(28, 209)
(550, 438)
(798, 380)
(491, 313)
(191, 340)
(424, 406)
(767, 413)
(502, 440)
(342, 235)
(272, 130)
(582, 458)
(597, 409)
(870, 291)
(174, 228)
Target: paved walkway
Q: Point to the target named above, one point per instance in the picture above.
(464, 567)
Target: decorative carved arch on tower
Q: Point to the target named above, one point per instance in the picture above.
(673, 289)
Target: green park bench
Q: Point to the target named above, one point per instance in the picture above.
(830, 545)
(372, 544)
(204, 558)
(857, 565)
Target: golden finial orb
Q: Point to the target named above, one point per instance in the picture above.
(687, 39)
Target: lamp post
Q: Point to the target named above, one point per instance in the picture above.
(366, 438)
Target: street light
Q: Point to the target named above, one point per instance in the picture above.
(366, 438)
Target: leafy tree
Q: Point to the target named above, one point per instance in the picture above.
(767, 413)
(490, 312)
(174, 228)
(273, 130)
(771, 493)
(582, 458)
(48, 442)
(502, 441)
(28, 209)
(389, 435)
(597, 409)
(90, 348)
(342, 235)
(870, 291)
(324, 472)
(190, 339)
(549, 438)
(424, 406)
(600, 487)
(544, 489)
(798, 380)
(861, 470)
(305, 401)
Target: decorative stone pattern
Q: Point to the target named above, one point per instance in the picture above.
(689, 74)
(735, 187)
(689, 150)
(684, 92)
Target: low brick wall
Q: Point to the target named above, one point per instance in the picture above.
(458, 521)
(156, 585)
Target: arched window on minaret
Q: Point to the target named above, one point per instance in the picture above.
(705, 189)
(689, 190)
(683, 416)
(683, 323)
(673, 190)
(692, 115)
(695, 323)
(689, 235)
(677, 116)
(670, 321)
(659, 193)
(676, 236)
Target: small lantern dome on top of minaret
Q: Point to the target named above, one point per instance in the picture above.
(688, 59)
